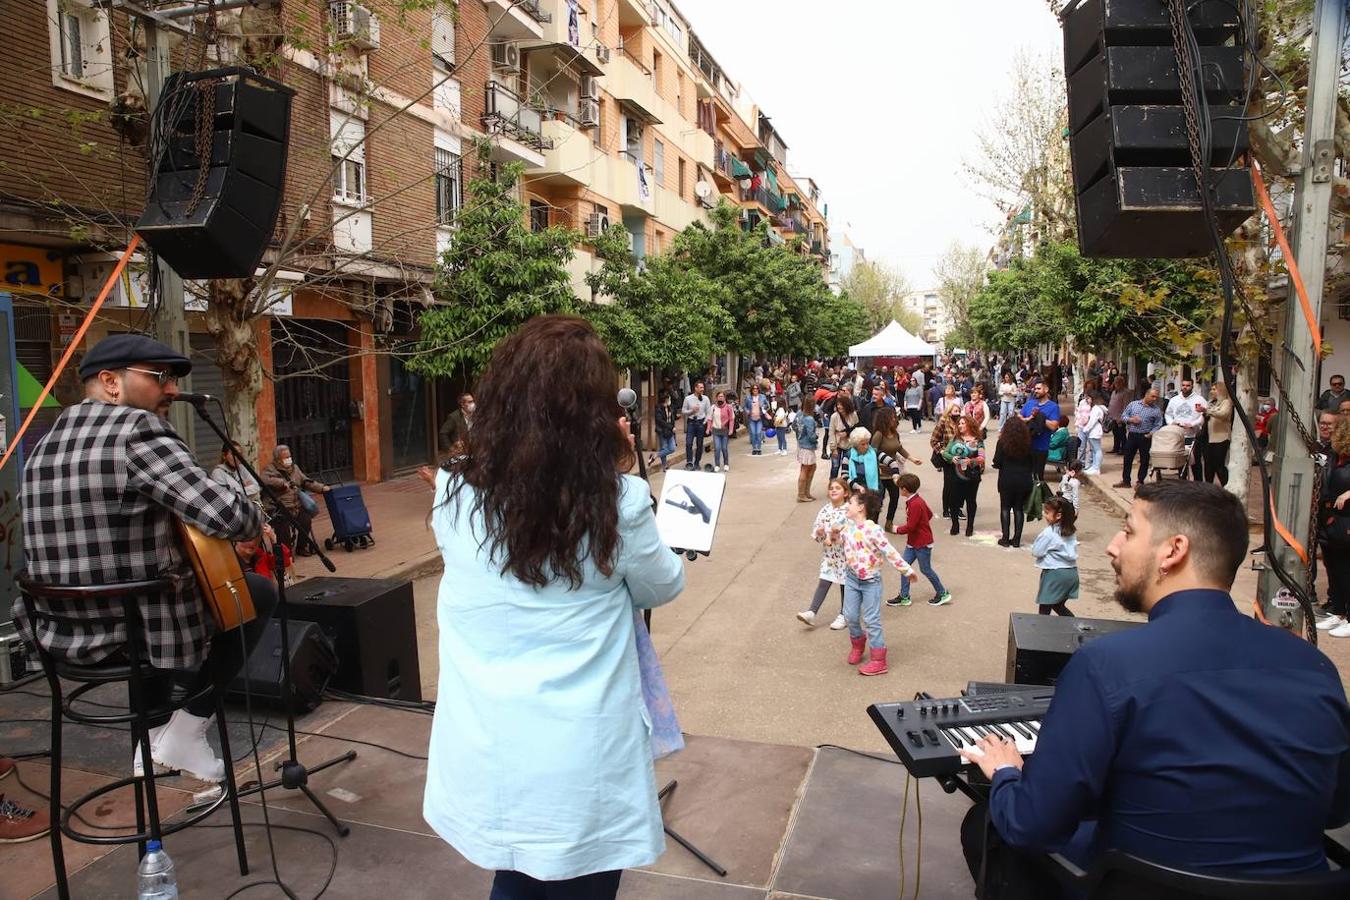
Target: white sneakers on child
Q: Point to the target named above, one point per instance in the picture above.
(807, 617)
(839, 623)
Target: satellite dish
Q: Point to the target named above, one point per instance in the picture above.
(702, 189)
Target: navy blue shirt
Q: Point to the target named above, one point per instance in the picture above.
(1203, 740)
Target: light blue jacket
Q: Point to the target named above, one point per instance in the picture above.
(1053, 550)
(540, 760)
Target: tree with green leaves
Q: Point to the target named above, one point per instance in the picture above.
(881, 290)
(495, 275)
(770, 292)
(663, 315)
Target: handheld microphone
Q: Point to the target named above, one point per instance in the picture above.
(628, 398)
(194, 399)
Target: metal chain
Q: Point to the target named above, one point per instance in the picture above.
(205, 134)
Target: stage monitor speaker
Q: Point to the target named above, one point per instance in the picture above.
(312, 663)
(1039, 646)
(373, 624)
(1133, 181)
(219, 177)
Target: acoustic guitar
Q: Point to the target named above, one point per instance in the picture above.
(220, 577)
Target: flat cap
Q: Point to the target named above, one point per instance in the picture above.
(118, 351)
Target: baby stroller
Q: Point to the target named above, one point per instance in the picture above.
(1169, 451)
(351, 521)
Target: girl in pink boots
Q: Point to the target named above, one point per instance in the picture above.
(865, 548)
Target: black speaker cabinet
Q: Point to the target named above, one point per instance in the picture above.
(374, 627)
(1135, 192)
(312, 663)
(1039, 646)
(217, 227)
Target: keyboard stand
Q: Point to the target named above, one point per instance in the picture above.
(953, 783)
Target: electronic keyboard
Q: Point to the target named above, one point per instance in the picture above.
(927, 733)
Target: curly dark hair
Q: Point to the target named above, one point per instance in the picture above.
(884, 422)
(1014, 439)
(545, 453)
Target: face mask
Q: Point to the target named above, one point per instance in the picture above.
(286, 462)
(470, 407)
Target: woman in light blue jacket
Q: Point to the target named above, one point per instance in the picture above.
(540, 764)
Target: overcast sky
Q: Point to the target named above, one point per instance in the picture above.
(878, 101)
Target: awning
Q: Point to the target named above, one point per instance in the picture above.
(772, 179)
(739, 169)
(569, 56)
(639, 111)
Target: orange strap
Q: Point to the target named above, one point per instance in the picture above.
(1284, 534)
(70, 348)
(1314, 328)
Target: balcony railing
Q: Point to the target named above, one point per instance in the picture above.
(506, 113)
(632, 58)
(764, 197)
(819, 249)
(531, 9)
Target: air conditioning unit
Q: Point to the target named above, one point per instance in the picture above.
(597, 224)
(589, 89)
(354, 24)
(506, 56)
(588, 114)
(602, 53)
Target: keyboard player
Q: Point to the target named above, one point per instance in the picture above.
(1203, 740)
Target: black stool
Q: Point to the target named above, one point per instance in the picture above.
(134, 669)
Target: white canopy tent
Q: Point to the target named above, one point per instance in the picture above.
(893, 340)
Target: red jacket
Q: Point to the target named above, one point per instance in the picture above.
(916, 528)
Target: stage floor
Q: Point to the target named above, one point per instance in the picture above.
(785, 821)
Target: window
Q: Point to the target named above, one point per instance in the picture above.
(599, 122)
(681, 182)
(658, 238)
(79, 39)
(538, 216)
(659, 161)
(656, 70)
(443, 36)
(679, 92)
(449, 186)
(349, 158)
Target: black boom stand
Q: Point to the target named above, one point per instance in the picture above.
(634, 427)
(294, 775)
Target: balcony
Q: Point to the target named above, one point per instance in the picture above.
(511, 20)
(626, 185)
(819, 249)
(632, 85)
(634, 14)
(571, 155)
(505, 113)
(764, 197)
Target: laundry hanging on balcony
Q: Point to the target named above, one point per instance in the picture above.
(644, 189)
(573, 24)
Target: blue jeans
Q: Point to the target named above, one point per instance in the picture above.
(756, 434)
(924, 556)
(863, 599)
(782, 439)
(1094, 454)
(836, 461)
(665, 447)
(1005, 409)
(693, 441)
(721, 449)
(508, 885)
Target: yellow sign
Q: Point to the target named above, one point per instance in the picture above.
(30, 270)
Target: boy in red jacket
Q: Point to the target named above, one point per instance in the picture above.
(919, 546)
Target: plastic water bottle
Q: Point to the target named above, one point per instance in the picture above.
(155, 879)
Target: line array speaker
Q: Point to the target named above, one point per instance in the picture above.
(220, 175)
(1133, 181)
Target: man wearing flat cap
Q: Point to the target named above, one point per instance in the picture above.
(101, 493)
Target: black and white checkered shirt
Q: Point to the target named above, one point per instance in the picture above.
(100, 493)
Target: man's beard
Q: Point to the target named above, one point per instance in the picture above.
(1129, 596)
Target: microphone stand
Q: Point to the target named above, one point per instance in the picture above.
(294, 775)
(634, 428)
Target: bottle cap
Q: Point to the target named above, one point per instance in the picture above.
(152, 846)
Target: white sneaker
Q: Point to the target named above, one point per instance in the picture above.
(807, 617)
(181, 744)
(1092, 471)
(1330, 622)
(839, 623)
(726, 468)
(1342, 630)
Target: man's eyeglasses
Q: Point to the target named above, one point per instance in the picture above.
(163, 377)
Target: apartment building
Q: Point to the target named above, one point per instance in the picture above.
(937, 322)
(843, 258)
(614, 109)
